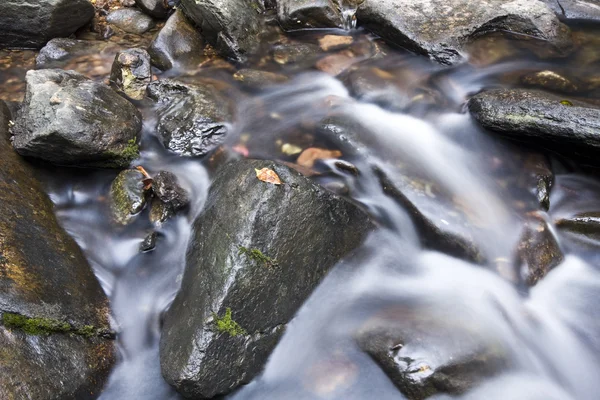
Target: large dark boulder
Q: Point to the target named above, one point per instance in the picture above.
(68, 119)
(541, 118)
(257, 252)
(301, 14)
(54, 317)
(441, 28)
(192, 118)
(576, 9)
(177, 44)
(30, 24)
(231, 26)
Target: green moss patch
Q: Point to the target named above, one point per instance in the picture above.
(257, 256)
(131, 151)
(47, 326)
(227, 325)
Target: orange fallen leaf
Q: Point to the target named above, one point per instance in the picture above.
(241, 149)
(147, 178)
(268, 175)
(312, 154)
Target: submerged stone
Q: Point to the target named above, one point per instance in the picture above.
(54, 344)
(257, 252)
(441, 28)
(192, 118)
(67, 119)
(27, 24)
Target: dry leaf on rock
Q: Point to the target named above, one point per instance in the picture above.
(268, 175)
(310, 155)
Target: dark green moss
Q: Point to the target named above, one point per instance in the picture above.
(35, 326)
(48, 326)
(227, 325)
(257, 256)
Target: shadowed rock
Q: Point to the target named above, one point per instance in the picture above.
(131, 72)
(231, 26)
(53, 313)
(30, 24)
(441, 28)
(257, 252)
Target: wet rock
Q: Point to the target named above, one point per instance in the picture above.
(330, 42)
(130, 20)
(440, 28)
(302, 14)
(131, 72)
(585, 225)
(149, 242)
(156, 8)
(68, 119)
(128, 3)
(576, 9)
(192, 118)
(127, 197)
(551, 81)
(169, 191)
(229, 314)
(177, 44)
(541, 118)
(424, 356)
(53, 343)
(335, 64)
(538, 250)
(160, 212)
(258, 79)
(540, 172)
(231, 26)
(32, 24)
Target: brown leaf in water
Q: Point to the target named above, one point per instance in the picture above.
(312, 154)
(268, 175)
(147, 178)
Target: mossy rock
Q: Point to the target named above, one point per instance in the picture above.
(127, 196)
(55, 337)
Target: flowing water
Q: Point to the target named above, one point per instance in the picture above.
(548, 336)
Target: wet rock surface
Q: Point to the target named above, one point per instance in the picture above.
(576, 9)
(177, 44)
(169, 191)
(538, 250)
(130, 20)
(258, 79)
(127, 196)
(231, 26)
(53, 344)
(30, 24)
(131, 72)
(440, 28)
(68, 119)
(156, 8)
(302, 14)
(192, 118)
(546, 119)
(229, 314)
(424, 356)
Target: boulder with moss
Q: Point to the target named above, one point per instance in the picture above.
(54, 344)
(257, 252)
(68, 119)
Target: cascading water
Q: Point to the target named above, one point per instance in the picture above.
(544, 340)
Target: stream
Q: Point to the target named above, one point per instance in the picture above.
(548, 334)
